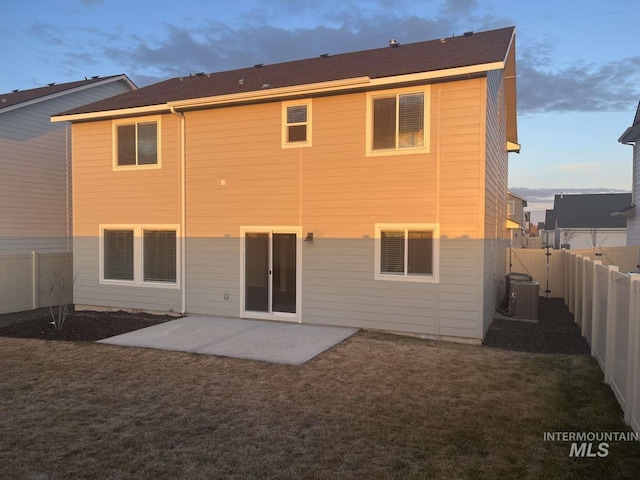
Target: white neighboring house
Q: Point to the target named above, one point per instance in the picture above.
(587, 221)
(516, 219)
(632, 137)
(35, 160)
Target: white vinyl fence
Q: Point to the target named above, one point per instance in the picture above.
(602, 291)
(26, 281)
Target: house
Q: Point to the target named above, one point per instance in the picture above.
(586, 221)
(631, 136)
(365, 189)
(35, 201)
(516, 219)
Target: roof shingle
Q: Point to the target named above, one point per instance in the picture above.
(23, 96)
(441, 54)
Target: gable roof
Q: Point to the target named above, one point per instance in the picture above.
(589, 211)
(632, 134)
(21, 98)
(485, 50)
(516, 196)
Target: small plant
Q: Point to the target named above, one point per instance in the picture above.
(60, 289)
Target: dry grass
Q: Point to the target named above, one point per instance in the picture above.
(376, 406)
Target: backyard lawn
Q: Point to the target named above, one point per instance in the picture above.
(375, 406)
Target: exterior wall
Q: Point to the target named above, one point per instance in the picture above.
(104, 196)
(238, 175)
(633, 223)
(34, 191)
(496, 235)
(581, 238)
(334, 190)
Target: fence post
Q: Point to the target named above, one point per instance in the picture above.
(34, 280)
(595, 311)
(578, 289)
(583, 306)
(633, 371)
(612, 311)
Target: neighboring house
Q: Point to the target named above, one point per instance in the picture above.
(631, 136)
(365, 189)
(586, 221)
(35, 155)
(517, 220)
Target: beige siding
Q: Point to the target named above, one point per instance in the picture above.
(238, 175)
(103, 195)
(495, 215)
(34, 196)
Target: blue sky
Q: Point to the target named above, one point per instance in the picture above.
(578, 61)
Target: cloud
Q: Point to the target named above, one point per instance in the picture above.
(579, 87)
(283, 30)
(573, 167)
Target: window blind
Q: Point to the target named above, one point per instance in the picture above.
(118, 254)
(159, 252)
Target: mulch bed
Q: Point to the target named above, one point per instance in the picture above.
(83, 326)
(555, 332)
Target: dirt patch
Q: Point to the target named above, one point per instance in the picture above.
(555, 332)
(83, 326)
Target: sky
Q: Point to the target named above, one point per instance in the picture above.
(578, 62)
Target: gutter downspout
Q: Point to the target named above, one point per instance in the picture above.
(183, 208)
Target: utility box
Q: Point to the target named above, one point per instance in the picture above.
(523, 299)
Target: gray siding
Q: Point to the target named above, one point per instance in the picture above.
(34, 190)
(88, 291)
(496, 178)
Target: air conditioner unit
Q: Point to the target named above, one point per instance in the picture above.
(523, 299)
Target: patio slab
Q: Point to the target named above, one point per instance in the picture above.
(275, 342)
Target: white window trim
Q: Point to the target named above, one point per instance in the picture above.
(285, 125)
(281, 316)
(371, 96)
(511, 205)
(434, 227)
(131, 121)
(138, 255)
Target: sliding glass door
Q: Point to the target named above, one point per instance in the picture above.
(270, 272)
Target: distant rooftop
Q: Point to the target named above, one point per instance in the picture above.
(588, 211)
(17, 96)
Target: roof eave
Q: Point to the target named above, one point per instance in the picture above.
(630, 135)
(275, 93)
(124, 112)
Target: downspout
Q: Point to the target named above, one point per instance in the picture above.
(183, 208)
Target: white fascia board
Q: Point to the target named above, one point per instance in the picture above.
(124, 112)
(271, 94)
(333, 86)
(306, 89)
(70, 91)
(631, 135)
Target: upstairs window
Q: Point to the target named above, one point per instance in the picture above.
(136, 144)
(296, 124)
(397, 122)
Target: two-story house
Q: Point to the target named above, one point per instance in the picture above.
(35, 158)
(364, 189)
